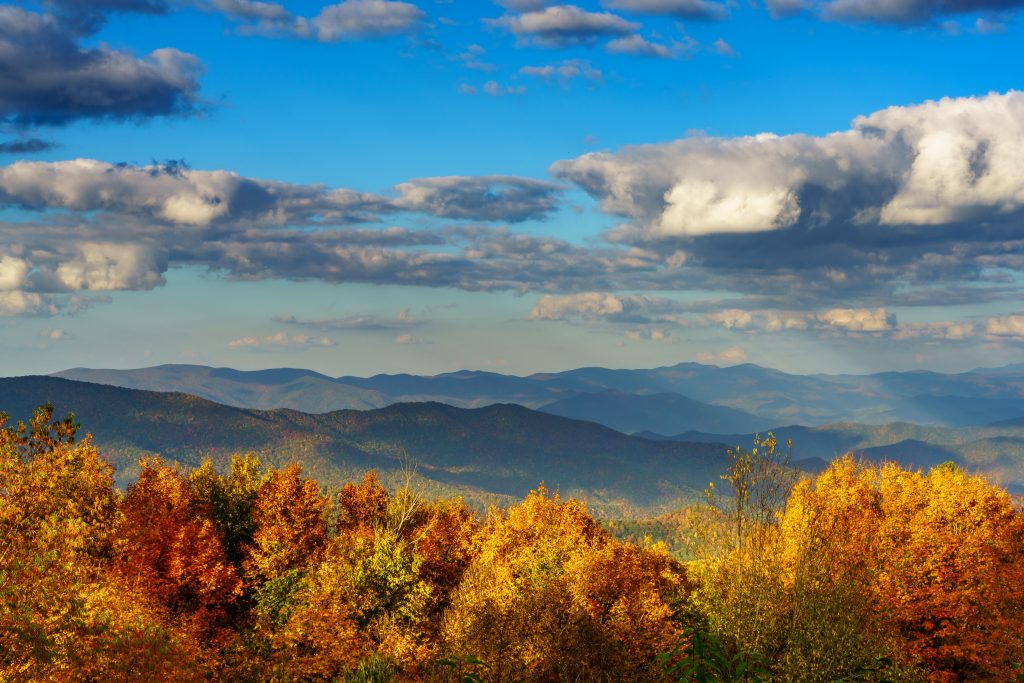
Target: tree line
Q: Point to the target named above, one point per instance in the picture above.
(863, 572)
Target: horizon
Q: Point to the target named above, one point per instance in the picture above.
(507, 374)
(375, 186)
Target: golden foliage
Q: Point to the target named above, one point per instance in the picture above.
(862, 573)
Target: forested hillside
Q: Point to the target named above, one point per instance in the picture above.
(492, 454)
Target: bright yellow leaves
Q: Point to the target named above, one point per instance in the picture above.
(552, 596)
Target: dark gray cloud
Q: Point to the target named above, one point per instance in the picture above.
(346, 20)
(498, 198)
(899, 12)
(176, 194)
(48, 78)
(700, 10)
(26, 146)
(85, 17)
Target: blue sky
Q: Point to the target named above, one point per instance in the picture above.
(378, 186)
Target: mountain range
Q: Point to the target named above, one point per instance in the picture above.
(491, 437)
(665, 400)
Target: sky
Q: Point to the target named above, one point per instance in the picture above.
(516, 186)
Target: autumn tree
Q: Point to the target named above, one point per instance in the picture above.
(936, 558)
(168, 544)
(740, 595)
(63, 614)
(552, 595)
(230, 500)
(290, 519)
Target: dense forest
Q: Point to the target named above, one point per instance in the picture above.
(863, 572)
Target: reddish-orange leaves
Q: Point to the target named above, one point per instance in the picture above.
(291, 525)
(169, 546)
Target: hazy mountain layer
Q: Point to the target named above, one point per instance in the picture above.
(690, 394)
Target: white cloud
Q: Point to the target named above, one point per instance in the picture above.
(733, 319)
(280, 341)
(365, 18)
(858, 319)
(564, 24)
(730, 356)
(107, 267)
(13, 272)
(18, 303)
(1005, 327)
(588, 304)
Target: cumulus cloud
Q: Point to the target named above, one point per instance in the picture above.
(941, 162)
(650, 334)
(280, 341)
(339, 22)
(495, 89)
(55, 334)
(48, 78)
(561, 25)
(684, 9)
(1010, 327)
(594, 304)
(107, 267)
(13, 272)
(18, 303)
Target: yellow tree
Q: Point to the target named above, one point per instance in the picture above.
(63, 615)
(937, 559)
(551, 595)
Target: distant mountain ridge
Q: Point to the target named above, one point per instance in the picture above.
(490, 454)
(696, 392)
